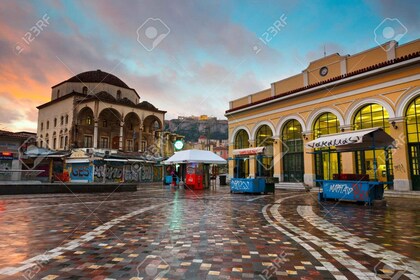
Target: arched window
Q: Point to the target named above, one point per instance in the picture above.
(48, 124)
(85, 90)
(264, 138)
(241, 169)
(118, 94)
(62, 120)
(67, 119)
(241, 140)
(372, 115)
(55, 122)
(369, 116)
(327, 161)
(413, 139)
(292, 151)
(42, 126)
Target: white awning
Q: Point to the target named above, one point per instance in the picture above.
(248, 151)
(198, 156)
(355, 140)
(77, 160)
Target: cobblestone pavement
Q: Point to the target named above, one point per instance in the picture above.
(161, 233)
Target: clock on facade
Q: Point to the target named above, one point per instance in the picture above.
(323, 71)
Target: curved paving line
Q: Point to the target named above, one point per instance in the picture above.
(326, 265)
(352, 265)
(69, 246)
(386, 256)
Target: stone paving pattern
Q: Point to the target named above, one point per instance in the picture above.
(162, 233)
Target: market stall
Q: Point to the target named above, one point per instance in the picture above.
(355, 187)
(248, 185)
(196, 162)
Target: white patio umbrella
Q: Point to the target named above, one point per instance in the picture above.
(198, 156)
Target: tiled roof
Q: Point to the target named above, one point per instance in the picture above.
(97, 76)
(20, 135)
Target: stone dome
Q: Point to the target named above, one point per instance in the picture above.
(97, 76)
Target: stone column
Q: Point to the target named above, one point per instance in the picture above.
(252, 161)
(120, 147)
(95, 134)
(277, 158)
(401, 168)
(141, 138)
(347, 159)
(308, 160)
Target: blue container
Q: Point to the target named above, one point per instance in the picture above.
(364, 191)
(252, 185)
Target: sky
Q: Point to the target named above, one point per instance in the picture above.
(184, 57)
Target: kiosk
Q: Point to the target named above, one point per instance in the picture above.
(248, 185)
(354, 187)
(196, 161)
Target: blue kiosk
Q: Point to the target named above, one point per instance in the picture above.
(239, 184)
(354, 187)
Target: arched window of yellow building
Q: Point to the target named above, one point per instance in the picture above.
(241, 168)
(413, 139)
(241, 140)
(370, 116)
(264, 138)
(292, 151)
(327, 160)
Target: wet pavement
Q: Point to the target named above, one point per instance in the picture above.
(162, 233)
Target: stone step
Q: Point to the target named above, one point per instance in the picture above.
(290, 186)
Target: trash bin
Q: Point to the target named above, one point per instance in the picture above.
(222, 179)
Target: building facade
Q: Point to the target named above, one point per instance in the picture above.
(379, 87)
(97, 110)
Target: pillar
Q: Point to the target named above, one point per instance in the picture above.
(95, 134)
(400, 166)
(252, 161)
(278, 158)
(141, 138)
(309, 175)
(120, 147)
(348, 165)
(231, 163)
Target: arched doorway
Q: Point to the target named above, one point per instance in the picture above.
(150, 136)
(131, 132)
(109, 123)
(85, 129)
(369, 116)
(264, 138)
(292, 147)
(413, 141)
(327, 160)
(241, 169)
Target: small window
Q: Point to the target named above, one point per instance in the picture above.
(104, 143)
(48, 124)
(118, 94)
(42, 126)
(67, 119)
(62, 120)
(88, 141)
(61, 141)
(65, 142)
(89, 120)
(58, 93)
(85, 90)
(55, 143)
(55, 122)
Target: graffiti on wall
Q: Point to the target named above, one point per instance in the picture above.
(81, 171)
(139, 172)
(111, 172)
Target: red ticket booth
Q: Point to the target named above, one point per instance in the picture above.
(194, 178)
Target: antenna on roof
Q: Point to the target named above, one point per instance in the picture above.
(325, 52)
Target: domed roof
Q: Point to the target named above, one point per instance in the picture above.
(146, 105)
(97, 76)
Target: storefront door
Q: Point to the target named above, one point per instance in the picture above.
(293, 167)
(414, 158)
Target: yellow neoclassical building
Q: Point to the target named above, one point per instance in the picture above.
(379, 87)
